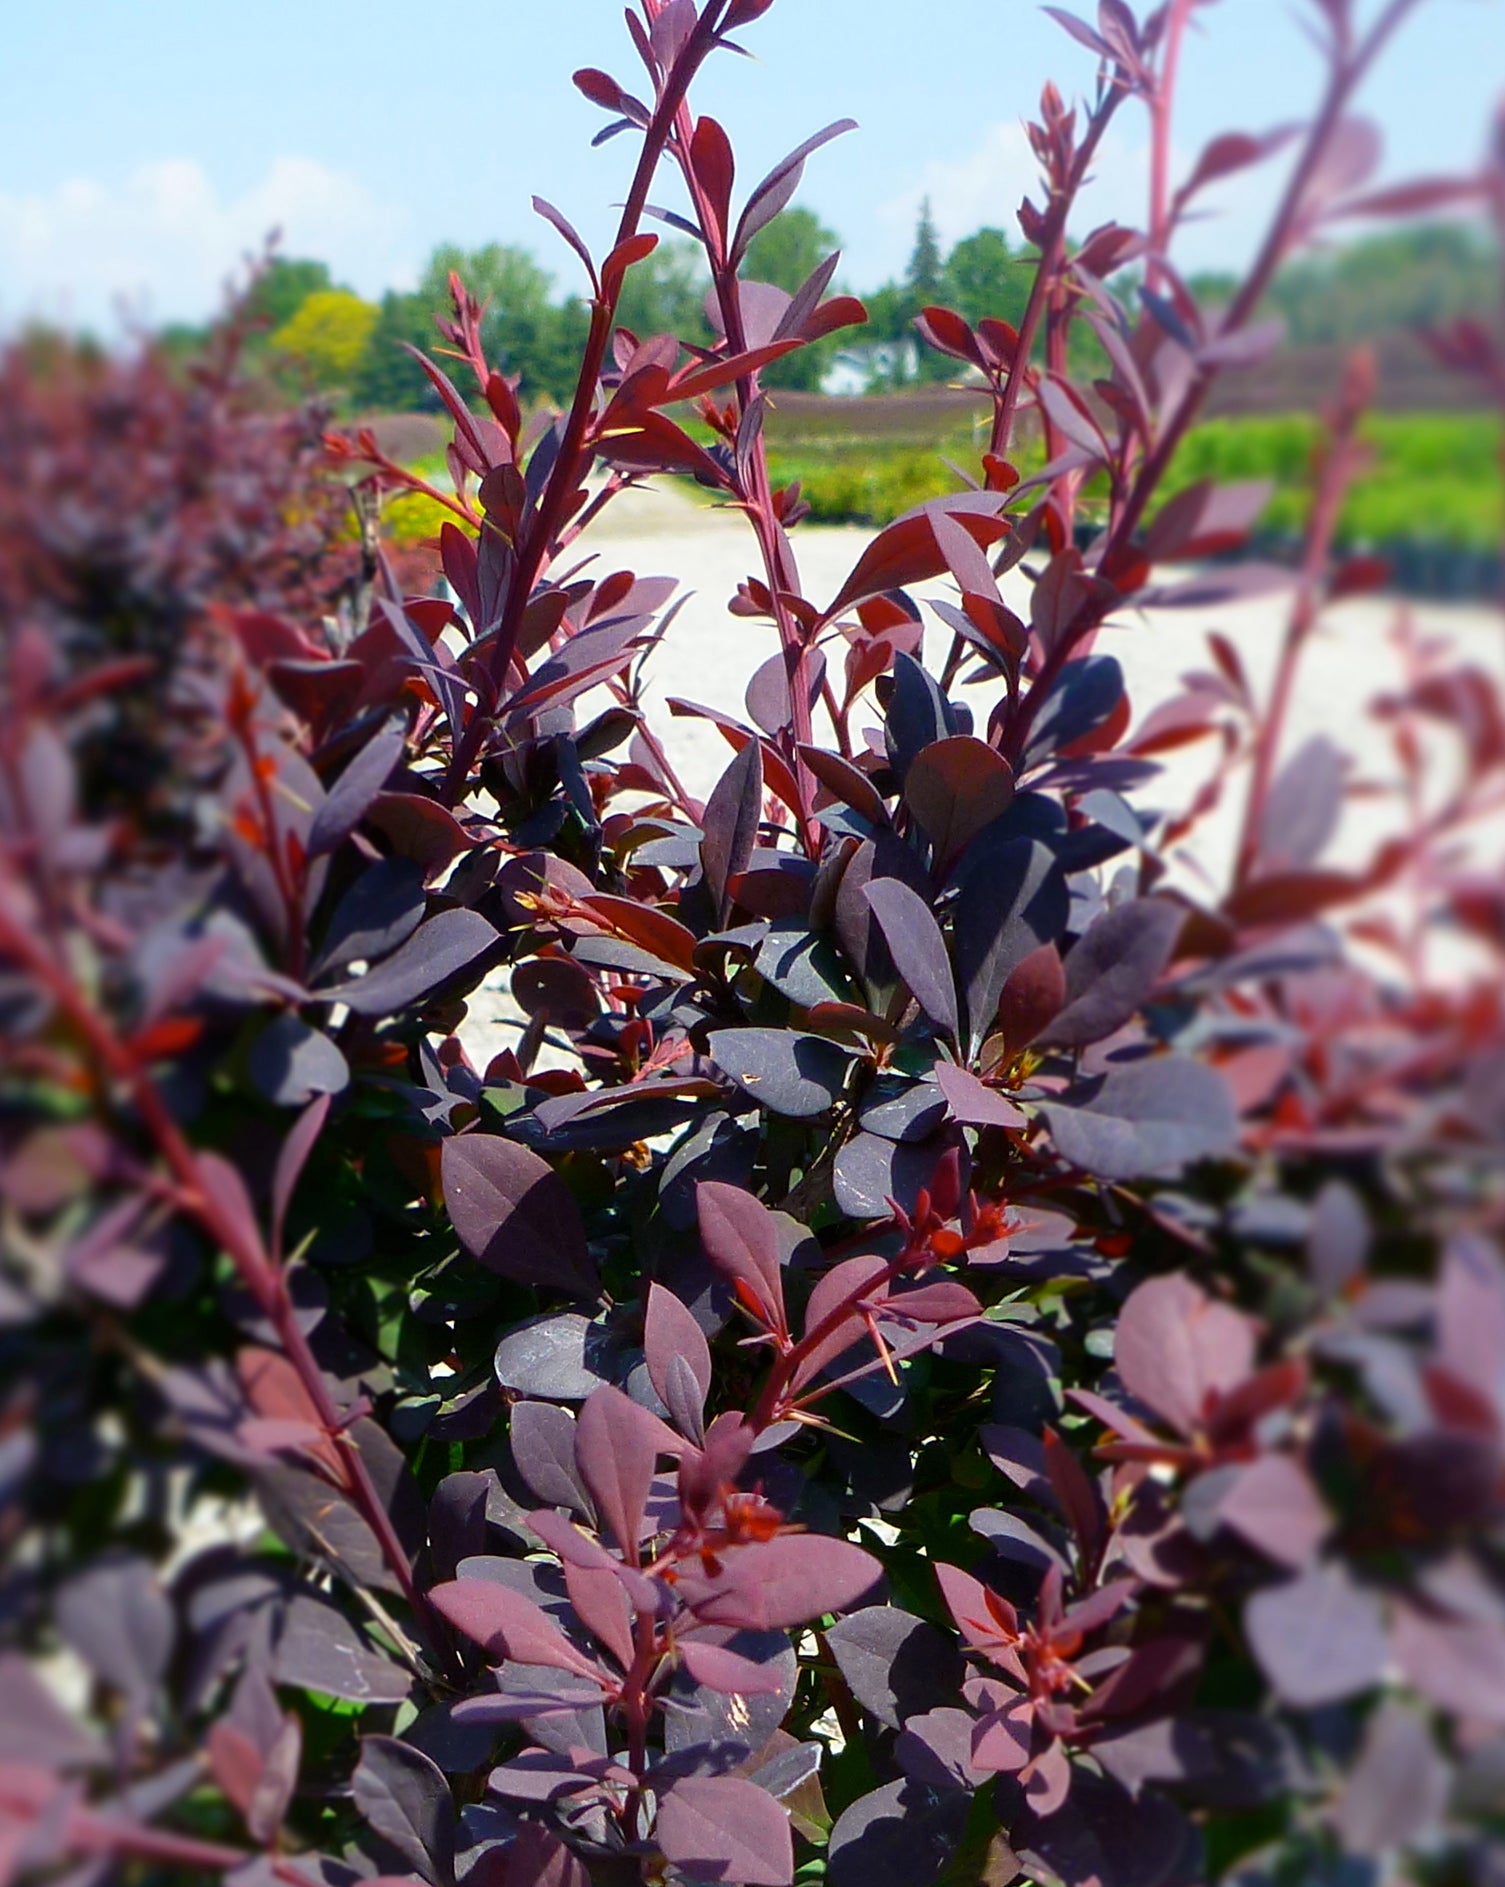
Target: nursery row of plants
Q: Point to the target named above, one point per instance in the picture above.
(929, 1347)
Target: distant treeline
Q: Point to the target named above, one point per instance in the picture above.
(320, 333)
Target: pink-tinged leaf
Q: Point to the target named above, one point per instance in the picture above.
(670, 1331)
(828, 1301)
(1003, 1741)
(1456, 1664)
(972, 1102)
(981, 1616)
(508, 1624)
(1471, 1319)
(728, 1671)
(296, 1148)
(1319, 1638)
(957, 786)
(616, 1450)
(780, 1583)
(601, 1605)
(515, 1214)
(1421, 197)
(1175, 1348)
(1274, 1505)
(742, 1242)
(1098, 1608)
(720, 1828)
(917, 947)
(780, 185)
(941, 1302)
(234, 1215)
(1396, 1792)
(907, 551)
(1206, 519)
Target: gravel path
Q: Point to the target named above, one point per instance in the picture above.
(709, 656)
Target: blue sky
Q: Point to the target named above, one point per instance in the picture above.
(146, 145)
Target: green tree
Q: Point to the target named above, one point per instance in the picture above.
(282, 287)
(326, 339)
(924, 273)
(984, 278)
(787, 252)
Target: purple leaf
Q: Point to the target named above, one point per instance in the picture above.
(780, 185)
(515, 1214)
(319, 1649)
(1013, 901)
(290, 1063)
(1114, 968)
(896, 1666)
(405, 1798)
(786, 1072)
(1274, 1505)
(902, 1835)
(1175, 1347)
(1319, 1637)
(719, 1828)
(300, 1142)
(538, 1858)
(728, 1671)
(616, 1451)
(1302, 812)
(730, 823)
(1397, 1791)
(380, 911)
(957, 786)
(917, 947)
(1148, 1119)
(1338, 1237)
(507, 1624)
(972, 1102)
(543, 1446)
(777, 1584)
(741, 1239)
(351, 795)
(117, 1618)
(669, 1331)
(434, 953)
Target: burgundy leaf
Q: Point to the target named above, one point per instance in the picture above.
(955, 787)
(616, 1450)
(507, 1624)
(515, 1214)
(434, 953)
(669, 1331)
(742, 1242)
(918, 949)
(720, 1828)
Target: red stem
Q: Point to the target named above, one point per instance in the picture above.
(535, 547)
(266, 1284)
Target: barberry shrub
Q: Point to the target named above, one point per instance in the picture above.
(934, 1347)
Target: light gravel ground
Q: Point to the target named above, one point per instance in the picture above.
(709, 656)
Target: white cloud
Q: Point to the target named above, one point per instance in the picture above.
(160, 243)
(987, 185)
